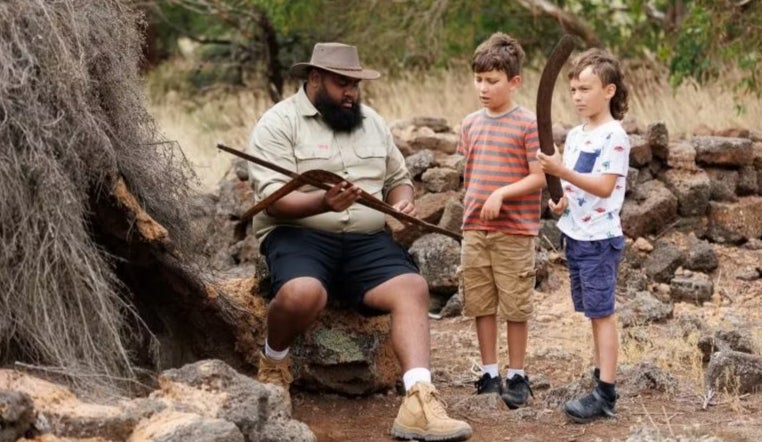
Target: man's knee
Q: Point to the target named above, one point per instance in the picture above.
(301, 295)
(416, 290)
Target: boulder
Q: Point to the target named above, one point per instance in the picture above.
(723, 151)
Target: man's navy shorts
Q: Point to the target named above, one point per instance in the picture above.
(347, 264)
(593, 267)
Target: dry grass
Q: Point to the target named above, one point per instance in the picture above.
(72, 120)
(198, 124)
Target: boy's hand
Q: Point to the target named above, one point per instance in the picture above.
(491, 208)
(551, 164)
(558, 208)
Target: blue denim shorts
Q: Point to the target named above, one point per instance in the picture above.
(347, 264)
(593, 267)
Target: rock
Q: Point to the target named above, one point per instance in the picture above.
(697, 288)
(429, 207)
(663, 261)
(441, 179)
(17, 415)
(736, 222)
(700, 256)
(455, 161)
(723, 151)
(346, 352)
(550, 235)
(438, 125)
(438, 258)
(652, 202)
(452, 217)
(735, 372)
(642, 245)
(633, 175)
(418, 162)
(644, 308)
(757, 162)
(640, 151)
(680, 155)
(691, 189)
(173, 425)
(559, 134)
(212, 389)
(645, 376)
(724, 340)
(657, 137)
(723, 183)
(442, 142)
(454, 306)
(630, 124)
(747, 181)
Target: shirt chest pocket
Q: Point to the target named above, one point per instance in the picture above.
(370, 162)
(312, 155)
(586, 161)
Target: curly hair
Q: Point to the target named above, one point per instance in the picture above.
(608, 69)
(499, 52)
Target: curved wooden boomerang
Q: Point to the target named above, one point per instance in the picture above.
(556, 61)
(323, 179)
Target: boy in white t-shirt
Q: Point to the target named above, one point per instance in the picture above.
(593, 174)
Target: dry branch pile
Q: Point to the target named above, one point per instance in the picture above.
(72, 123)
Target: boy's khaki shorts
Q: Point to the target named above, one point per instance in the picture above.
(498, 275)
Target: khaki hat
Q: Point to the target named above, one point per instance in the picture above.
(337, 58)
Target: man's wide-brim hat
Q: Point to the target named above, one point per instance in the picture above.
(337, 58)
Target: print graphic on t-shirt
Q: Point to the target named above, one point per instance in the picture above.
(586, 161)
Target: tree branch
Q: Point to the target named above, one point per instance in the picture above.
(568, 22)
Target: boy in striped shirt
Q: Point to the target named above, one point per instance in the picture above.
(503, 185)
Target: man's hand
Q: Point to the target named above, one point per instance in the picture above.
(491, 208)
(405, 206)
(551, 164)
(339, 197)
(558, 208)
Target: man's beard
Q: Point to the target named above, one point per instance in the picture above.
(336, 116)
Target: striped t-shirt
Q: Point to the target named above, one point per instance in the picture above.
(498, 151)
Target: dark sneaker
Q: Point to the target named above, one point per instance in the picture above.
(516, 391)
(488, 384)
(590, 407)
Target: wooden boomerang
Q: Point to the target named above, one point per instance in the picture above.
(323, 179)
(556, 61)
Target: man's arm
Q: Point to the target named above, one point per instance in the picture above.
(401, 198)
(301, 205)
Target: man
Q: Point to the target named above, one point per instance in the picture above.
(319, 244)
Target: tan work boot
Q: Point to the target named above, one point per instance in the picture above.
(422, 416)
(275, 372)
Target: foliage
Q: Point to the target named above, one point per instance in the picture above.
(696, 39)
(715, 34)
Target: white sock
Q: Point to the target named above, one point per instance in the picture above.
(274, 354)
(415, 375)
(491, 369)
(513, 372)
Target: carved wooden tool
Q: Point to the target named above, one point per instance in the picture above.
(323, 179)
(556, 61)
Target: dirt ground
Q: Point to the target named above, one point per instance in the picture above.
(558, 354)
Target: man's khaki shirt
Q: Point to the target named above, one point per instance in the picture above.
(293, 135)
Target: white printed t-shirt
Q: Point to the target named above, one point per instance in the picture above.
(603, 150)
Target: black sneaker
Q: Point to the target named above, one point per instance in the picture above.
(590, 407)
(516, 391)
(488, 384)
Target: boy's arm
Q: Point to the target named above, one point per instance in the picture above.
(533, 181)
(598, 185)
(530, 183)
